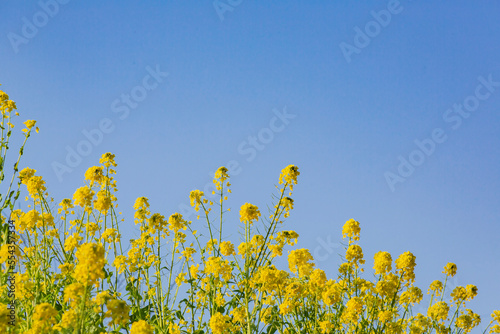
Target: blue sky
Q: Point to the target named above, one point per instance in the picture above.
(344, 90)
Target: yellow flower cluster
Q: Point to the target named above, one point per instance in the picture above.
(289, 176)
(44, 317)
(249, 213)
(118, 311)
(298, 262)
(382, 263)
(70, 280)
(34, 184)
(195, 197)
(89, 269)
(141, 327)
(221, 175)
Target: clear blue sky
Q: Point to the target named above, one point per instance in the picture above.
(360, 84)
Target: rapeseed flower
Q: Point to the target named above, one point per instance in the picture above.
(220, 324)
(89, 269)
(450, 269)
(405, 264)
(438, 311)
(382, 263)
(44, 317)
(118, 311)
(298, 262)
(249, 213)
(108, 159)
(351, 229)
(289, 176)
(195, 198)
(83, 197)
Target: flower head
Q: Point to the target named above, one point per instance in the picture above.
(249, 213)
(351, 229)
(450, 269)
(289, 176)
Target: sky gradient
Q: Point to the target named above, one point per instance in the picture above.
(389, 109)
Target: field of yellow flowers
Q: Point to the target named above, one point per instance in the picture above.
(62, 265)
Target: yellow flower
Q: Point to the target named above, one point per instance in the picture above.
(385, 316)
(102, 297)
(249, 212)
(195, 198)
(471, 292)
(450, 269)
(35, 185)
(65, 205)
(318, 278)
(90, 263)
(181, 278)
(496, 316)
(118, 311)
(332, 293)
(5, 318)
(438, 311)
(103, 202)
(218, 267)
(111, 235)
(419, 324)
(437, 287)
(83, 197)
(388, 286)
(459, 294)
(141, 327)
(468, 321)
(156, 222)
(298, 262)
(141, 209)
(227, 248)
(289, 175)
(26, 174)
(69, 319)
(188, 253)
(176, 222)
(108, 159)
(30, 123)
(354, 254)
(239, 315)
(326, 326)
(72, 242)
(8, 250)
(44, 317)
(220, 324)
(351, 229)
(174, 328)
(95, 175)
(66, 268)
(354, 308)
(405, 264)
(287, 205)
(382, 263)
(411, 296)
(220, 176)
(193, 270)
(73, 293)
(120, 263)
